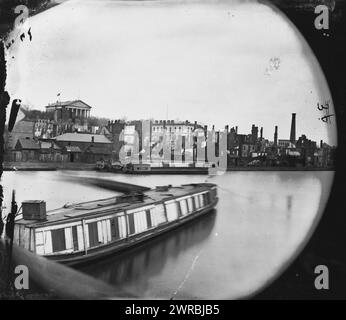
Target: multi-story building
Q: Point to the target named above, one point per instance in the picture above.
(157, 140)
(179, 139)
(65, 110)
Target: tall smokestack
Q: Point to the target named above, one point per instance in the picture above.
(276, 136)
(293, 129)
(261, 133)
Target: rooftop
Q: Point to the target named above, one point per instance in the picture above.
(28, 143)
(73, 103)
(83, 137)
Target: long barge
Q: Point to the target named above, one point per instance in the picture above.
(87, 231)
(150, 168)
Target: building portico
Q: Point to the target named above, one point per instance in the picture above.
(69, 110)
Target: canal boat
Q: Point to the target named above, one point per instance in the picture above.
(156, 168)
(82, 232)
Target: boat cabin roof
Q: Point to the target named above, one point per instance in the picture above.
(97, 208)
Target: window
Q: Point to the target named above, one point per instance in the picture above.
(131, 222)
(197, 205)
(93, 234)
(140, 221)
(183, 207)
(39, 238)
(115, 229)
(149, 223)
(190, 205)
(172, 211)
(58, 240)
(39, 243)
(75, 238)
(158, 214)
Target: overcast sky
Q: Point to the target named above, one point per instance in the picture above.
(217, 62)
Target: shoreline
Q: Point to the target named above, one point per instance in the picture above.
(47, 166)
(53, 166)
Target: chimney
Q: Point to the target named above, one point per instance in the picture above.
(254, 133)
(236, 129)
(227, 128)
(276, 136)
(321, 144)
(261, 133)
(293, 129)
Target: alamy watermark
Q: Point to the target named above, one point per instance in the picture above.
(322, 280)
(198, 146)
(322, 20)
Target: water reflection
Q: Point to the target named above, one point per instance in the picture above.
(137, 265)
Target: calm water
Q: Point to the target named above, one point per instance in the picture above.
(261, 220)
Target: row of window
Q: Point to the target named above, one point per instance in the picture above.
(160, 129)
(118, 227)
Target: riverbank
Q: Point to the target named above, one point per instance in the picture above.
(52, 166)
(279, 169)
(47, 166)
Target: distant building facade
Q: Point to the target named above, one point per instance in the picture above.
(159, 140)
(63, 111)
(84, 147)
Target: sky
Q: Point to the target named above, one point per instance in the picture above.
(216, 62)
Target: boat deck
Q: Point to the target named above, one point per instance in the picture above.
(114, 204)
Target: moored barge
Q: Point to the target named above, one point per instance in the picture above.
(82, 232)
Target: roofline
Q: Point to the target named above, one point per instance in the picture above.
(60, 103)
(111, 209)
